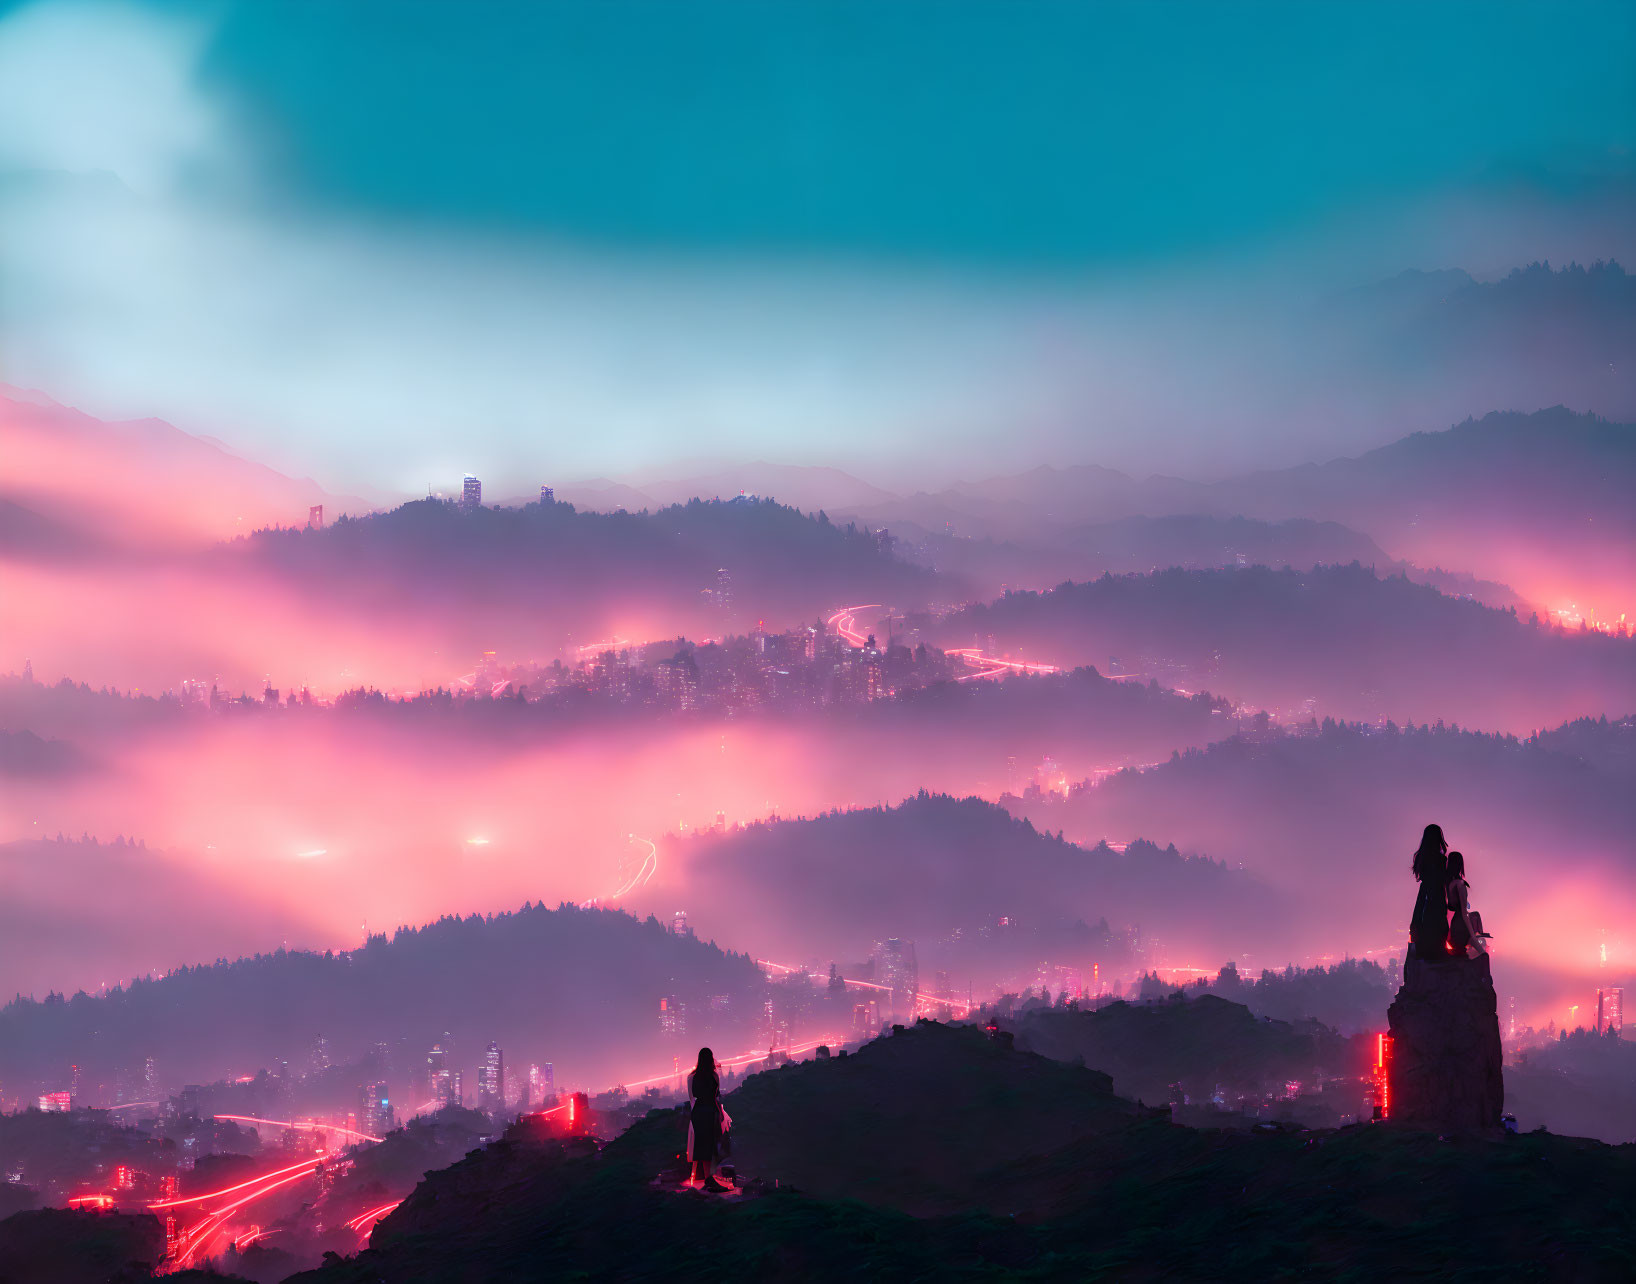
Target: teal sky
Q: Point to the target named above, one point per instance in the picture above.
(385, 242)
(990, 131)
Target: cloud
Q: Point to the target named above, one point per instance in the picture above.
(97, 87)
(153, 262)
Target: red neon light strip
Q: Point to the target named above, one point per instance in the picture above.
(373, 1215)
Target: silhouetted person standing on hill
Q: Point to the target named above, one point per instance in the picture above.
(1429, 928)
(704, 1119)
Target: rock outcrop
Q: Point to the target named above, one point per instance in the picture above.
(1446, 1067)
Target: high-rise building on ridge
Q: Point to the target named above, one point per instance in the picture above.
(471, 494)
(548, 495)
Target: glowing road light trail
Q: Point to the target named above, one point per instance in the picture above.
(921, 997)
(649, 867)
(308, 1126)
(362, 1220)
(989, 666)
(985, 666)
(205, 1231)
(843, 623)
(132, 1105)
(305, 1164)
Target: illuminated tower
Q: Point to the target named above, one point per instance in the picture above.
(547, 495)
(439, 1082)
(471, 494)
(315, 518)
(678, 923)
(375, 1109)
(491, 1080)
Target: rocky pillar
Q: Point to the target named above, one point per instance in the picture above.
(1445, 1073)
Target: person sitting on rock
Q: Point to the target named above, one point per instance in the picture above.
(1429, 926)
(1465, 936)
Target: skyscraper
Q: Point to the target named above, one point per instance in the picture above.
(895, 968)
(542, 1083)
(471, 495)
(375, 1109)
(1610, 1011)
(439, 1080)
(548, 495)
(672, 1016)
(491, 1080)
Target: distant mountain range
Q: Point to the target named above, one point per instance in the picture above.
(1352, 642)
(1536, 501)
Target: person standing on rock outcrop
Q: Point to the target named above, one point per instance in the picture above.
(1429, 927)
(706, 1120)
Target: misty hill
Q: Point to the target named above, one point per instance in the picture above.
(1350, 642)
(1337, 812)
(974, 888)
(1539, 501)
(579, 988)
(78, 480)
(1053, 1176)
(1533, 337)
(1350, 996)
(1205, 1044)
(506, 572)
(1086, 550)
(22, 753)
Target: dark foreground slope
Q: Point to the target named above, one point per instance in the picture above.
(939, 1154)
